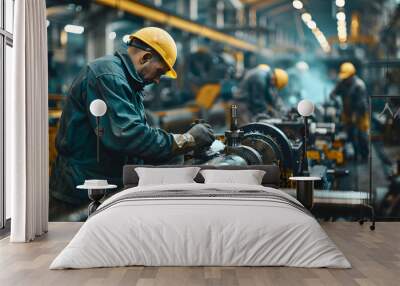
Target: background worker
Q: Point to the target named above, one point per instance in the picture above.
(118, 80)
(257, 92)
(354, 117)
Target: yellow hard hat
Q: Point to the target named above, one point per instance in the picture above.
(160, 41)
(346, 70)
(281, 78)
(263, 67)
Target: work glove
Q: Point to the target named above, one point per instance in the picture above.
(199, 136)
(203, 135)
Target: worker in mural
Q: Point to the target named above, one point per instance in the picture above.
(352, 92)
(118, 80)
(257, 92)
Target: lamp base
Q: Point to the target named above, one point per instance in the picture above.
(95, 196)
(305, 193)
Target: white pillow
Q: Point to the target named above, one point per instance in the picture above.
(248, 177)
(163, 176)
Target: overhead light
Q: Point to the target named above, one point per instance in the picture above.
(126, 38)
(341, 26)
(302, 66)
(112, 35)
(47, 23)
(237, 4)
(306, 17)
(326, 49)
(325, 45)
(312, 25)
(297, 4)
(341, 16)
(317, 32)
(340, 3)
(63, 38)
(74, 29)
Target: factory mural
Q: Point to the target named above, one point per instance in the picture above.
(115, 100)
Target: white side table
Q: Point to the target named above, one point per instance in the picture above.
(305, 190)
(96, 190)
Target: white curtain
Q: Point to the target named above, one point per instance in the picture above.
(27, 172)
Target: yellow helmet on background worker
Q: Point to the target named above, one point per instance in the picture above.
(160, 41)
(263, 67)
(347, 70)
(281, 78)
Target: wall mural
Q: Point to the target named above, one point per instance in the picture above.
(115, 100)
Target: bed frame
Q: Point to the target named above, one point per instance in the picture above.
(271, 178)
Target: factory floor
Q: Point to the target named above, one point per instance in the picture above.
(374, 255)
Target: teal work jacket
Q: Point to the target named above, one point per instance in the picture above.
(127, 138)
(256, 90)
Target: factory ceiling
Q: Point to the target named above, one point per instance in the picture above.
(264, 17)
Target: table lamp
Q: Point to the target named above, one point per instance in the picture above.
(305, 108)
(98, 108)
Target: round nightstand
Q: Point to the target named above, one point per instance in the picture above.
(96, 190)
(305, 190)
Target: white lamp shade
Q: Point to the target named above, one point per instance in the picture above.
(305, 107)
(302, 66)
(98, 107)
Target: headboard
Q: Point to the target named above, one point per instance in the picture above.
(270, 179)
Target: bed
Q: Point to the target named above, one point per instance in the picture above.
(198, 224)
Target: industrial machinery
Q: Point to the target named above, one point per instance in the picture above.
(280, 142)
(327, 145)
(253, 144)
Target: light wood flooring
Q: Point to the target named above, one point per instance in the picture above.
(374, 255)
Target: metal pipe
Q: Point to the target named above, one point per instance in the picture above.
(252, 17)
(98, 138)
(181, 7)
(370, 154)
(220, 14)
(305, 160)
(234, 118)
(193, 10)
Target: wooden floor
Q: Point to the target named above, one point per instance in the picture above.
(374, 255)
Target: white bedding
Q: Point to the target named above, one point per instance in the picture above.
(183, 231)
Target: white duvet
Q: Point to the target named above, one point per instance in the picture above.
(188, 231)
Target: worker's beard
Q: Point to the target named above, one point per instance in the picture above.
(143, 80)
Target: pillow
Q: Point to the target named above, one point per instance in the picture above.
(163, 176)
(248, 177)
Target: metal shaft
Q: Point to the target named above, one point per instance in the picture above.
(370, 198)
(305, 161)
(98, 138)
(234, 118)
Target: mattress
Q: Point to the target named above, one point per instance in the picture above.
(201, 225)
